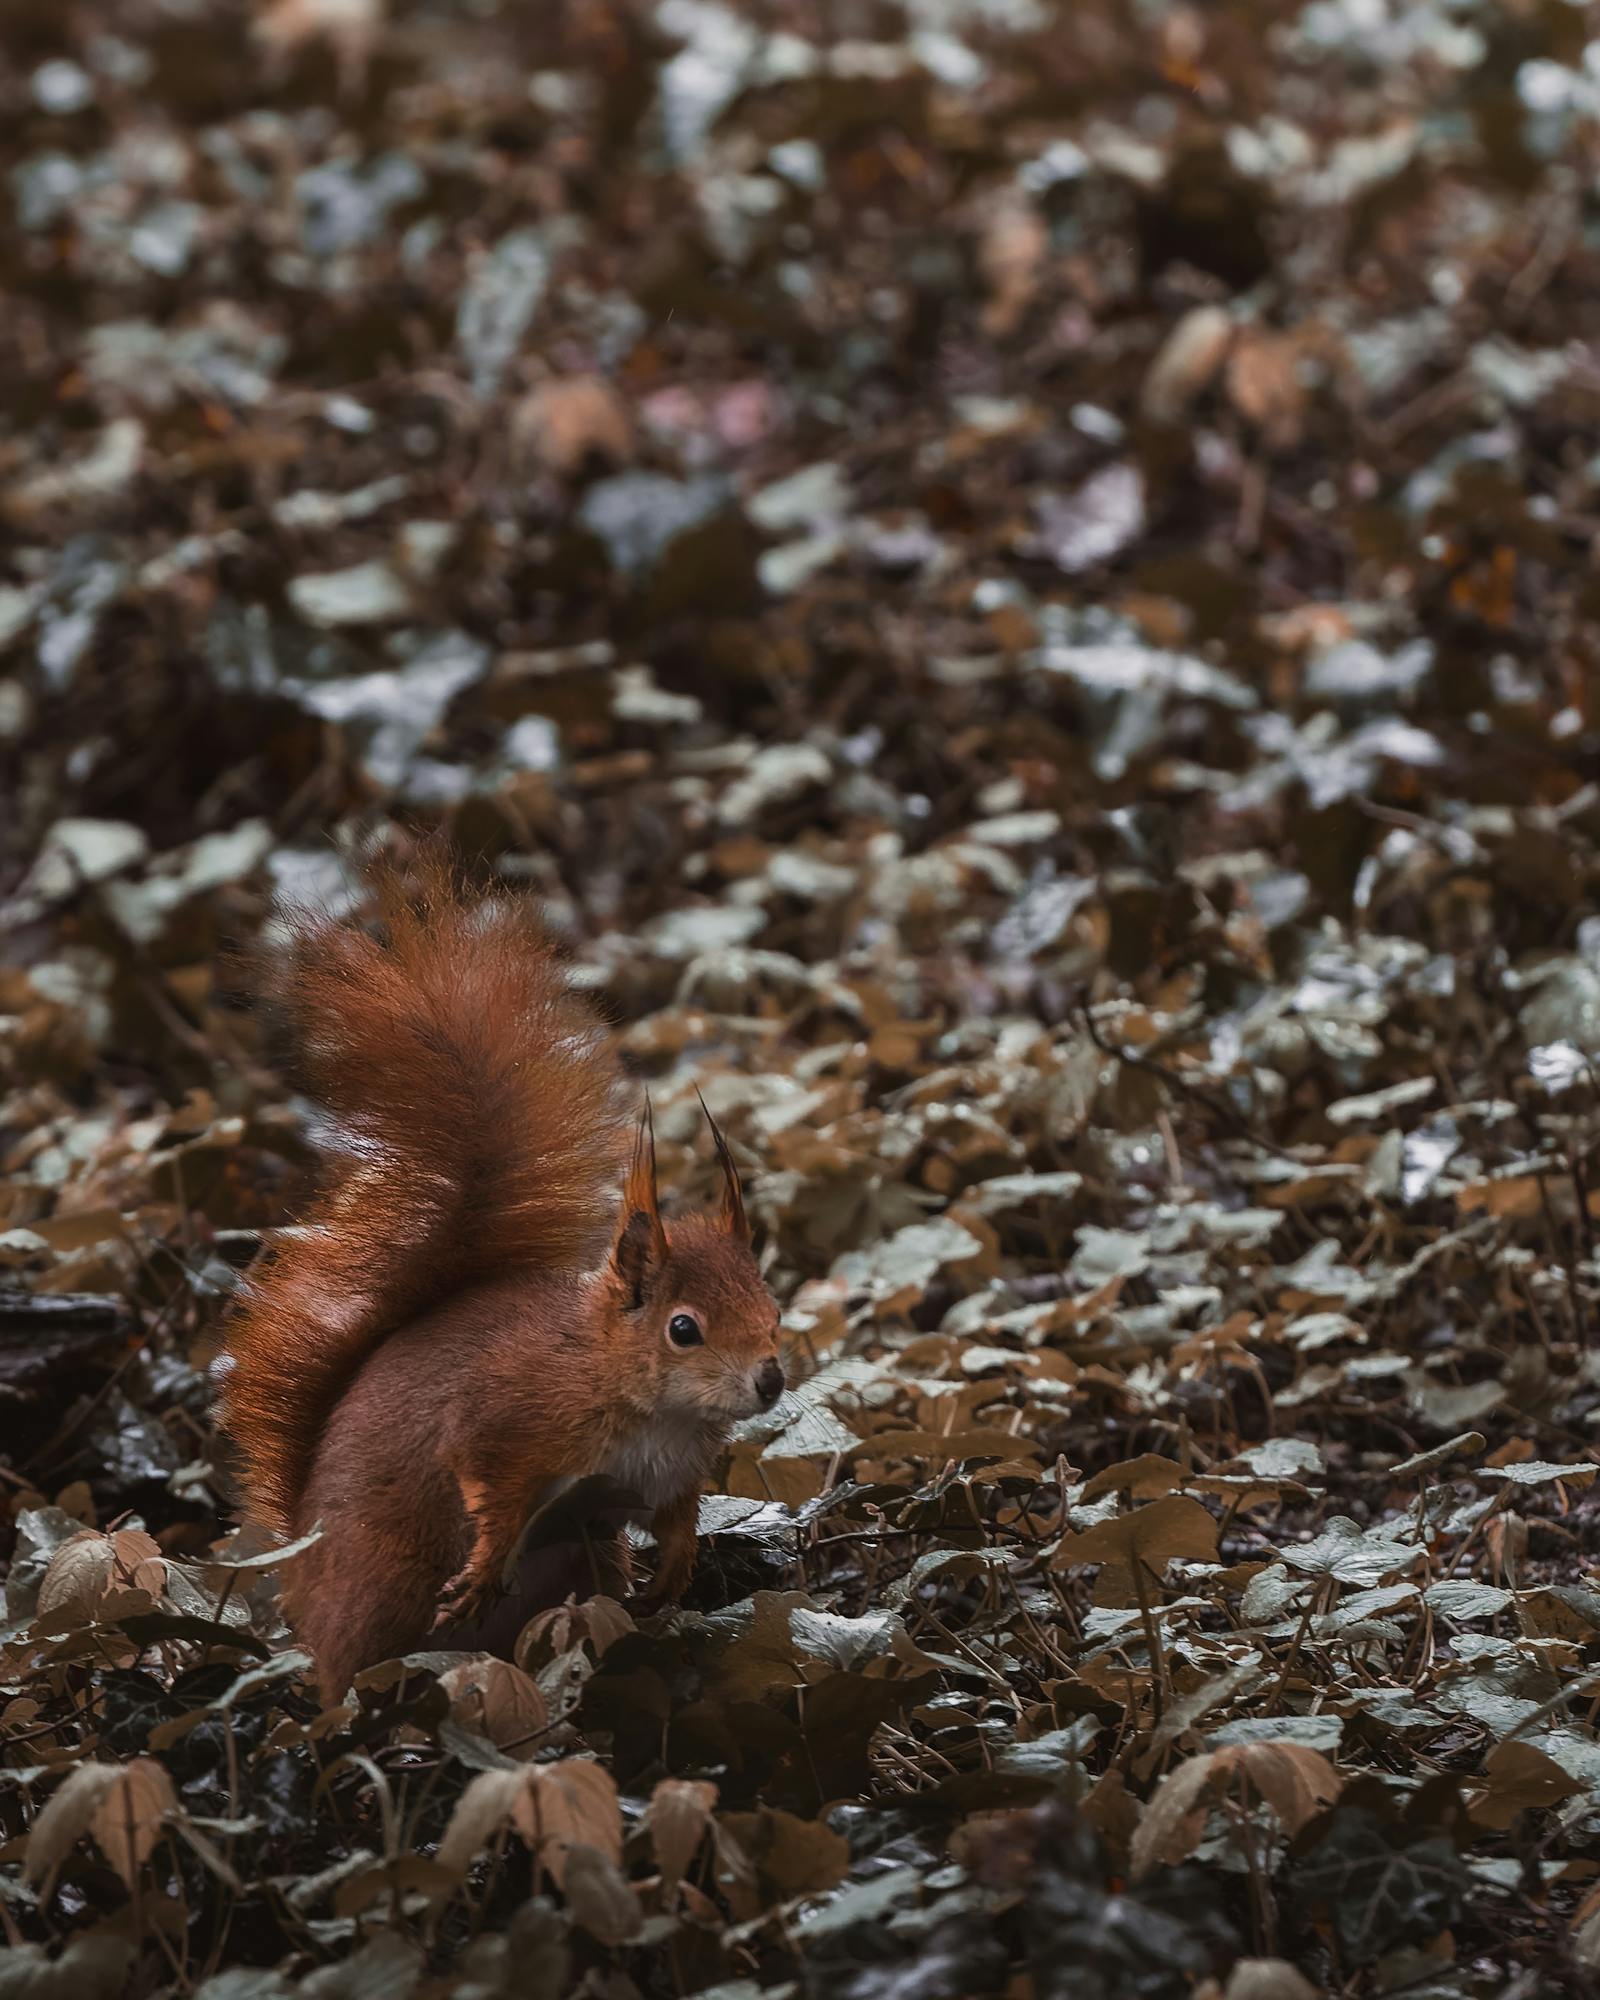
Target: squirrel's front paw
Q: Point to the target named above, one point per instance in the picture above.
(665, 1588)
(462, 1599)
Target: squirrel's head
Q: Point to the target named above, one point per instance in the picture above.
(704, 1326)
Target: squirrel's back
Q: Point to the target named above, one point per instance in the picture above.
(475, 1128)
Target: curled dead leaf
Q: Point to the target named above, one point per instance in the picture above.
(1295, 1782)
(677, 1816)
(65, 1816)
(123, 1807)
(570, 420)
(552, 1806)
(598, 1895)
(492, 1698)
(1011, 255)
(1264, 384)
(1188, 363)
(89, 1566)
(349, 27)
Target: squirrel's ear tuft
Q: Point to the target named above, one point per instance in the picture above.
(731, 1215)
(641, 1246)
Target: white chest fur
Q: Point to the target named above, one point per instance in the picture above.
(658, 1461)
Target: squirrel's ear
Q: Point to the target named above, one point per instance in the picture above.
(731, 1215)
(641, 1245)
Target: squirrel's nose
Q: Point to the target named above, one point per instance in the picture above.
(769, 1381)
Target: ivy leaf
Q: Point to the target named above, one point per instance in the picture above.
(1380, 1893)
(1352, 1554)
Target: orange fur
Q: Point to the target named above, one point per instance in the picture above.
(446, 1340)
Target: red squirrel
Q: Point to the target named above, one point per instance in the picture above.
(469, 1319)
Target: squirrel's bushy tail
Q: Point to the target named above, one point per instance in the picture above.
(474, 1128)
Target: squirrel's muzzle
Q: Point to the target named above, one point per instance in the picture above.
(768, 1381)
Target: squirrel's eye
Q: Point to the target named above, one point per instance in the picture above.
(683, 1330)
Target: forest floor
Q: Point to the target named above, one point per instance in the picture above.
(1019, 579)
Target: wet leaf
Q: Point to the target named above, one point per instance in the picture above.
(1378, 1893)
(1081, 530)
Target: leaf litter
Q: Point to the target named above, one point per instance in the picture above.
(1020, 589)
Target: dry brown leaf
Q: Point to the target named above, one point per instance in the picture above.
(123, 1806)
(495, 1699)
(1151, 1537)
(1188, 363)
(574, 1801)
(137, 1561)
(678, 1814)
(349, 27)
(130, 1814)
(598, 1622)
(1306, 628)
(484, 1807)
(598, 1895)
(1518, 1777)
(1295, 1781)
(565, 422)
(65, 1816)
(1264, 384)
(1513, 1198)
(1144, 1478)
(83, 1570)
(75, 1580)
(1011, 254)
(1175, 1817)
(552, 1806)
(771, 1853)
(888, 1446)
